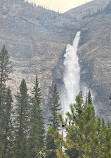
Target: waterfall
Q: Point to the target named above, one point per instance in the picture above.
(71, 76)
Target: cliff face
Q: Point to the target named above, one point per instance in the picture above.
(34, 49)
(95, 61)
(36, 39)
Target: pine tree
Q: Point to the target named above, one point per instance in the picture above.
(93, 139)
(8, 129)
(50, 146)
(22, 121)
(54, 123)
(89, 98)
(5, 70)
(37, 131)
(54, 108)
(73, 152)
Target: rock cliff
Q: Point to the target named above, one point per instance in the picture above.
(95, 61)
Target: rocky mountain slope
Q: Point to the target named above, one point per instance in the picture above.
(36, 39)
(33, 48)
(87, 8)
(95, 61)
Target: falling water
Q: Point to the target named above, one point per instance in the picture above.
(71, 77)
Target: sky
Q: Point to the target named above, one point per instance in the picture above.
(60, 5)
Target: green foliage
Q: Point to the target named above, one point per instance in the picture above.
(90, 137)
(8, 129)
(54, 108)
(37, 92)
(37, 131)
(5, 66)
(50, 146)
(54, 123)
(5, 70)
(89, 98)
(22, 121)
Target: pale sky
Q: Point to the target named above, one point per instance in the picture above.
(59, 5)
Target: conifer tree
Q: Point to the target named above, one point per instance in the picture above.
(54, 123)
(8, 129)
(89, 98)
(22, 121)
(5, 70)
(93, 139)
(54, 108)
(50, 146)
(37, 130)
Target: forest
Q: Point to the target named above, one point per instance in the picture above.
(22, 129)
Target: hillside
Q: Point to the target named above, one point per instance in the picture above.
(33, 48)
(91, 7)
(94, 57)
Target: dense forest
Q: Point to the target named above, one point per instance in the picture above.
(22, 130)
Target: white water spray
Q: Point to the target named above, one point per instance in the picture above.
(71, 76)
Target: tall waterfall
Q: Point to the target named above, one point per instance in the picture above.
(71, 77)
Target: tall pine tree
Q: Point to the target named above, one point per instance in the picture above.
(5, 70)
(22, 121)
(54, 123)
(89, 98)
(54, 109)
(8, 129)
(37, 130)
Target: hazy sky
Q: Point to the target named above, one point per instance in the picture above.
(60, 5)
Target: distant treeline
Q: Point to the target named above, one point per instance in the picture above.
(92, 13)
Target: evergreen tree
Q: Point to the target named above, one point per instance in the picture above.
(37, 131)
(93, 139)
(89, 98)
(50, 146)
(55, 109)
(73, 152)
(8, 130)
(5, 70)
(54, 123)
(22, 121)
